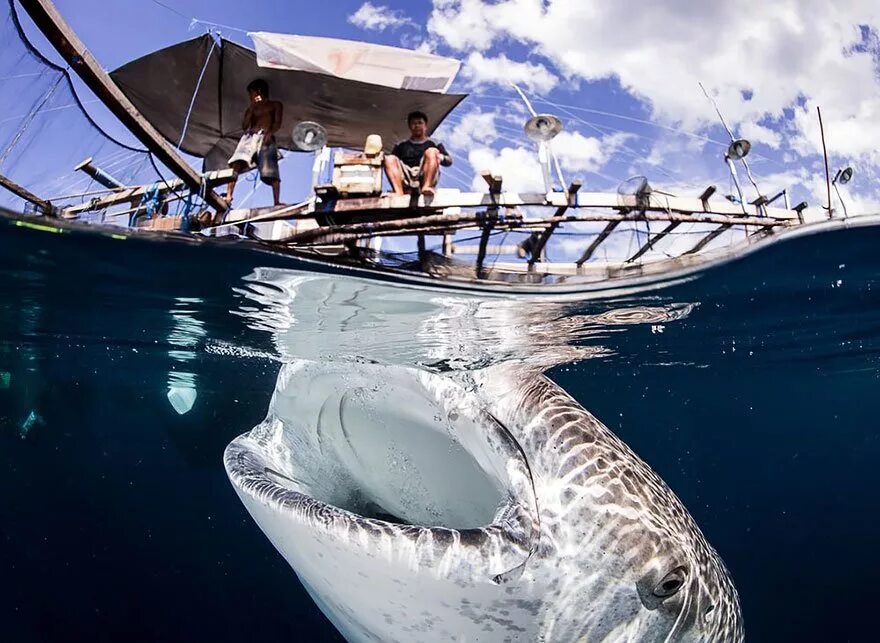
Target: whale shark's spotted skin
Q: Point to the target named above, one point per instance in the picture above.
(586, 543)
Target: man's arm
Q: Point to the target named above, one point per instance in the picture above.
(246, 120)
(445, 157)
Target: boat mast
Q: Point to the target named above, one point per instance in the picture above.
(64, 39)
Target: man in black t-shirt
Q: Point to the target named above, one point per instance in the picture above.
(417, 159)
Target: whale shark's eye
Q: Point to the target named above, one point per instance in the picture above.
(671, 583)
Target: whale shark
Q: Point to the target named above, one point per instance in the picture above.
(480, 505)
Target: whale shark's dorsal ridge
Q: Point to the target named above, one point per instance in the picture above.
(477, 506)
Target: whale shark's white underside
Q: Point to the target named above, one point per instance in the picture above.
(478, 506)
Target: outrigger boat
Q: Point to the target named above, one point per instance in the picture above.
(344, 94)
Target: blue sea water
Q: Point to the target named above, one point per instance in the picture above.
(751, 389)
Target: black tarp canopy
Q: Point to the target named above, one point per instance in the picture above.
(161, 86)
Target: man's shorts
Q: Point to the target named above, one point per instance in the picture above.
(413, 173)
(253, 153)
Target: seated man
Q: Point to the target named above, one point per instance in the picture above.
(416, 159)
(257, 146)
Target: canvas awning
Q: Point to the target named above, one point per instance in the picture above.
(367, 62)
(161, 86)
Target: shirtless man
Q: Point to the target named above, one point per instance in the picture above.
(257, 146)
(417, 158)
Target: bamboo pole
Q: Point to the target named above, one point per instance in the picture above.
(26, 194)
(825, 154)
(653, 241)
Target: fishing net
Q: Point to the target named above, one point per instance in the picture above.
(50, 123)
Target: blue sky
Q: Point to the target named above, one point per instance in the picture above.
(623, 79)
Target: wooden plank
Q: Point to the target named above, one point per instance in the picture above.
(135, 193)
(26, 194)
(50, 22)
(705, 241)
(597, 241)
(462, 249)
(653, 241)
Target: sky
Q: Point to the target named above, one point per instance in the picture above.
(623, 76)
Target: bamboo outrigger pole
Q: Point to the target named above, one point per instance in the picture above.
(26, 194)
(64, 39)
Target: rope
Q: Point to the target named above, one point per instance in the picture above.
(196, 21)
(192, 102)
(150, 199)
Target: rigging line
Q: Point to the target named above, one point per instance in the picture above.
(198, 21)
(192, 102)
(171, 9)
(519, 143)
(28, 121)
(623, 146)
(732, 138)
(40, 57)
(717, 111)
(604, 130)
(20, 76)
(600, 112)
(161, 176)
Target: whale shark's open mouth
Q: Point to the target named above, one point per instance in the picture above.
(390, 463)
(378, 444)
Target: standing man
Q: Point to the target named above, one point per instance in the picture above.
(257, 146)
(417, 159)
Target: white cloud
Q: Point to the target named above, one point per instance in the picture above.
(521, 171)
(756, 132)
(474, 128)
(501, 70)
(757, 58)
(518, 167)
(378, 18)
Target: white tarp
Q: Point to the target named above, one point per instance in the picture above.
(368, 63)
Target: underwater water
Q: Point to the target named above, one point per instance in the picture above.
(127, 366)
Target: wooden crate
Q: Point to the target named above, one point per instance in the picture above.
(357, 174)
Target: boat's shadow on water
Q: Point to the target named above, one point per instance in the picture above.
(749, 390)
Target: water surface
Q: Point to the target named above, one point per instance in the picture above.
(126, 367)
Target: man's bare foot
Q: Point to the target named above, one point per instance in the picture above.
(427, 191)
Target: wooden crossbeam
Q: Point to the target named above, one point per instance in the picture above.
(653, 241)
(707, 193)
(597, 241)
(705, 241)
(537, 253)
(50, 22)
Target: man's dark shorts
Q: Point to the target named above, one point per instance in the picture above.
(267, 162)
